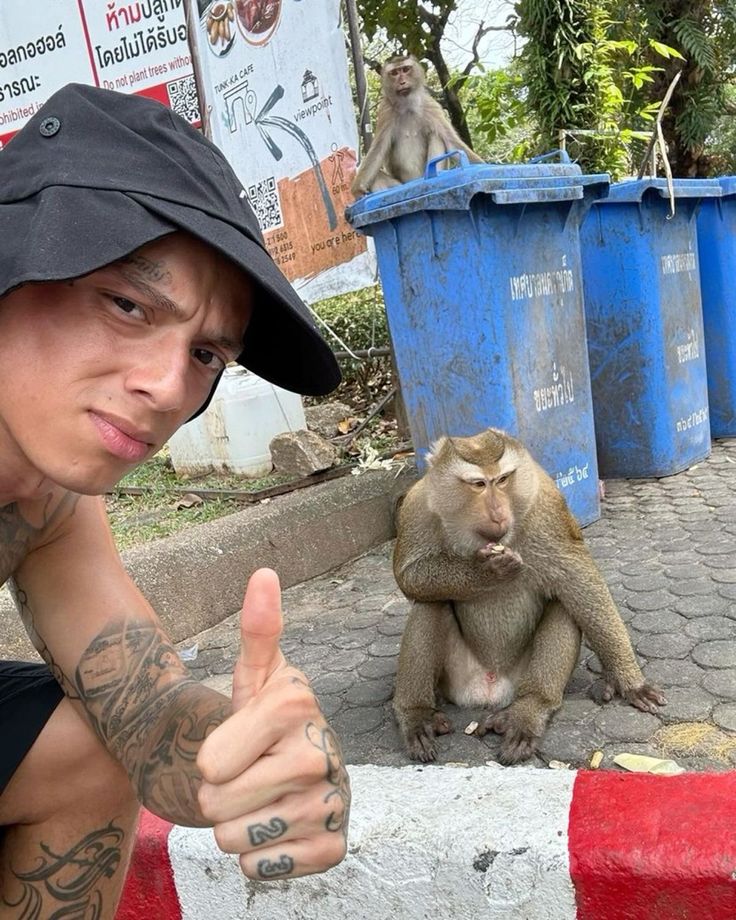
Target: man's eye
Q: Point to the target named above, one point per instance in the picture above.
(127, 306)
(208, 359)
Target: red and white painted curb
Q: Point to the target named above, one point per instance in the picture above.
(476, 842)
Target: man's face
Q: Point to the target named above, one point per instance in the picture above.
(97, 373)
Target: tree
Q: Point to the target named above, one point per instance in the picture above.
(605, 65)
(499, 116)
(705, 34)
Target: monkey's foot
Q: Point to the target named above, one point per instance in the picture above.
(419, 734)
(647, 697)
(499, 559)
(519, 740)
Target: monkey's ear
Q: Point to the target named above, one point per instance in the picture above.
(439, 450)
(435, 449)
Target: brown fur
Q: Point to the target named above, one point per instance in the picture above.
(411, 129)
(516, 613)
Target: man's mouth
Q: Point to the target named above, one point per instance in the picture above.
(121, 437)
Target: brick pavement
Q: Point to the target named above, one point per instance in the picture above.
(667, 549)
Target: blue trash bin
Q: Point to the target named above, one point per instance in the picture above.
(480, 267)
(645, 327)
(717, 255)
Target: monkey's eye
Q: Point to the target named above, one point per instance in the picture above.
(502, 480)
(478, 484)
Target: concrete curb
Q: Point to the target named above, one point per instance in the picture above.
(459, 843)
(196, 578)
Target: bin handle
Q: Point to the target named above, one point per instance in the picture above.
(431, 169)
(562, 154)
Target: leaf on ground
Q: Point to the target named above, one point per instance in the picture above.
(347, 424)
(190, 500)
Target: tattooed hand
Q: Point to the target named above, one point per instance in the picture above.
(275, 786)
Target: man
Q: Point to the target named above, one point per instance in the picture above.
(131, 272)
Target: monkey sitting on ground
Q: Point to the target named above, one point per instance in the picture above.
(502, 588)
(411, 129)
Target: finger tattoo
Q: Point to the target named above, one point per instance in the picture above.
(269, 869)
(326, 741)
(260, 833)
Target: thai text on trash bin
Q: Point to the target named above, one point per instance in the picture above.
(541, 284)
(574, 474)
(698, 417)
(690, 351)
(559, 392)
(676, 262)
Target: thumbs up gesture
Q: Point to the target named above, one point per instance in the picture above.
(274, 783)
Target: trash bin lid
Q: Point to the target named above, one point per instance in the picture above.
(727, 184)
(453, 189)
(633, 190)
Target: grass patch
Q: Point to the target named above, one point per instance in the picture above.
(157, 512)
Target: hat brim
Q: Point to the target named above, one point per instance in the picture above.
(65, 232)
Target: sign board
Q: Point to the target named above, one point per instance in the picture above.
(276, 87)
(135, 47)
(274, 78)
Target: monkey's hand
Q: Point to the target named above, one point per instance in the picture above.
(646, 697)
(419, 728)
(499, 559)
(358, 189)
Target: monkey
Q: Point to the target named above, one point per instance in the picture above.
(502, 587)
(411, 129)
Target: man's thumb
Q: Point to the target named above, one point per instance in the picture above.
(261, 624)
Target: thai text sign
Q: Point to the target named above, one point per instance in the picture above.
(135, 47)
(277, 95)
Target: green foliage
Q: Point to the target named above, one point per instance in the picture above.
(592, 67)
(720, 158)
(695, 43)
(498, 115)
(358, 319)
(403, 21)
(705, 35)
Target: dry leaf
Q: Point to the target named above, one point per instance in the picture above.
(347, 424)
(640, 763)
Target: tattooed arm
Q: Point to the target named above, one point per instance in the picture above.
(264, 768)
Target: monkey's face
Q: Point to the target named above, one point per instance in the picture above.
(474, 503)
(400, 78)
(480, 487)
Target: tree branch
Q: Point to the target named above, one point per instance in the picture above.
(481, 33)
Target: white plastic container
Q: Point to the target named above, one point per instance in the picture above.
(233, 433)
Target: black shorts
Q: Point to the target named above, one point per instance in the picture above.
(28, 696)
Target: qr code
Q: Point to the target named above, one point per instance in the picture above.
(183, 98)
(264, 199)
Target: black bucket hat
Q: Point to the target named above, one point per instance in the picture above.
(96, 174)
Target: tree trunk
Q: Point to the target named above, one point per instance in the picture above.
(452, 102)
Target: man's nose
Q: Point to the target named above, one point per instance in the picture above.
(160, 374)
